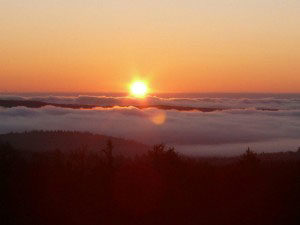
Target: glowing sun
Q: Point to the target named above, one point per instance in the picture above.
(138, 89)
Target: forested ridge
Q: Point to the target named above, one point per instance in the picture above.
(160, 186)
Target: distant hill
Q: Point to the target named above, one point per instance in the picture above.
(68, 141)
(42, 141)
(39, 104)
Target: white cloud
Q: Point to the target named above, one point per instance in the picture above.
(194, 128)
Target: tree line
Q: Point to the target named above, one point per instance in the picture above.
(158, 187)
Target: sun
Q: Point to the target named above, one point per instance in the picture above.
(139, 89)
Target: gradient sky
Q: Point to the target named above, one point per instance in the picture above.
(177, 46)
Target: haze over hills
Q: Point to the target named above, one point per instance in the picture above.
(69, 141)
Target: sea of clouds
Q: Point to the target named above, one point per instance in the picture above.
(204, 102)
(229, 131)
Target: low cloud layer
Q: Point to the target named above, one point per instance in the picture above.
(206, 102)
(189, 131)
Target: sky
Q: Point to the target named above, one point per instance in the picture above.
(176, 46)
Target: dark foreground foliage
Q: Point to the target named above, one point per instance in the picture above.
(161, 187)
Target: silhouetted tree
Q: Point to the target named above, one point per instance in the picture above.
(163, 158)
(249, 158)
(160, 151)
(108, 152)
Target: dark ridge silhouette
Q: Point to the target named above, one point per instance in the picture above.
(80, 187)
(70, 140)
(39, 104)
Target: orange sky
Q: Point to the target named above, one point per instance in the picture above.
(177, 46)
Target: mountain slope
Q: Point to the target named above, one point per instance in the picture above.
(68, 141)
